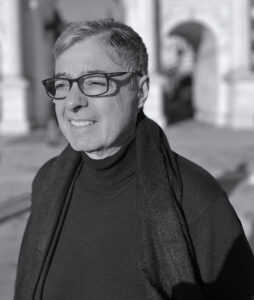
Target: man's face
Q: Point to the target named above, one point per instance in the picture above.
(97, 125)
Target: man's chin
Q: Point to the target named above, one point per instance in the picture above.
(85, 147)
(79, 147)
(93, 151)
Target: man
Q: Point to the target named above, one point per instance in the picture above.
(118, 215)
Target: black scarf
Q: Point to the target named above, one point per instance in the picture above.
(167, 259)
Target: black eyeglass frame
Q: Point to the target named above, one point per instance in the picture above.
(72, 80)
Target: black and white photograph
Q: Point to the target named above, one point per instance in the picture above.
(127, 150)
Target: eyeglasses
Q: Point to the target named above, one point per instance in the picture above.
(94, 84)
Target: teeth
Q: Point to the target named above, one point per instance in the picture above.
(81, 123)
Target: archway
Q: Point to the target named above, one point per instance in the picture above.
(189, 58)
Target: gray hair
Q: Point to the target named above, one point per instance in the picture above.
(122, 38)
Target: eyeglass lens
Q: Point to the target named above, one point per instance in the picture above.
(92, 85)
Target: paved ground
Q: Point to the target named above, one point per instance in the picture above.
(227, 154)
(11, 232)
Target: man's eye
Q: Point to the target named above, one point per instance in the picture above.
(96, 82)
(61, 85)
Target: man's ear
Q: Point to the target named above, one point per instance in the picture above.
(143, 90)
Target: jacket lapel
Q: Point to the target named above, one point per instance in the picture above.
(49, 202)
(62, 179)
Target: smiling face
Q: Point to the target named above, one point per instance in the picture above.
(97, 125)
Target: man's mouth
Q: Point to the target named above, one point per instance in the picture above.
(82, 123)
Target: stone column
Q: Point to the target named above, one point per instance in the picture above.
(240, 34)
(141, 16)
(240, 80)
(14, 86)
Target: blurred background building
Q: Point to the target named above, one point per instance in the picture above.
(201, 57)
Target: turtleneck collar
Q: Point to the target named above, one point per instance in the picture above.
(110, 171)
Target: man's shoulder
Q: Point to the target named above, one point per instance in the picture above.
(60, 164)
(45, 169)
(43, 172)
(46, 166)
(200, 188)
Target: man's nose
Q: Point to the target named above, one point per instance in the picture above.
(76, 99)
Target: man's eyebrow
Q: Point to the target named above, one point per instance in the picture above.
(65, 75)
(61, 74)
(96, 71)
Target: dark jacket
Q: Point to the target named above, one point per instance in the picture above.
(193, 242)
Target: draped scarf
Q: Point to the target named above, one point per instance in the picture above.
(167, 259)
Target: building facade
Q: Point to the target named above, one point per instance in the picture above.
(211, 41)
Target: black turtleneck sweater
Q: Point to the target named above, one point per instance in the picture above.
(97, 253)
